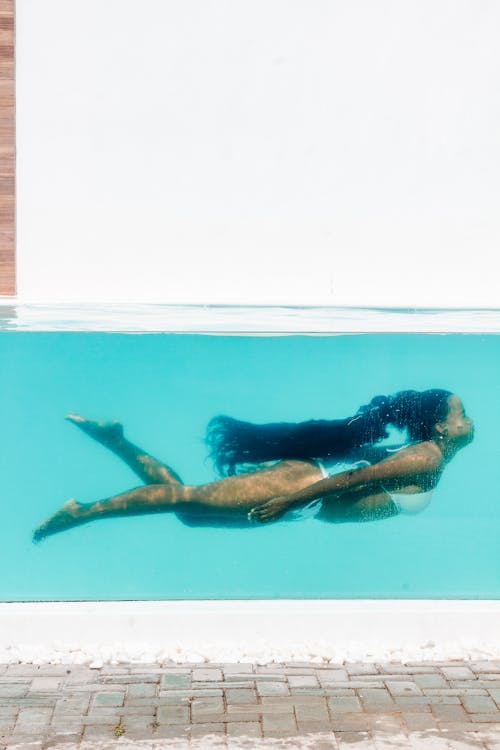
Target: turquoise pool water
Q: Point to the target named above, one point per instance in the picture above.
(165, 388)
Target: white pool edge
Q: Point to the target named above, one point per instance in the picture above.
(241, 320)
(260, 631)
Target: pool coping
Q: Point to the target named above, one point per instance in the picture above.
(137, 317)
(249, 630)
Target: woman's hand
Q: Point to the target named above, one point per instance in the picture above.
(270, 510)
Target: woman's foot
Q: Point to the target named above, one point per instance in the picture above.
(71, 514)
(107, 433)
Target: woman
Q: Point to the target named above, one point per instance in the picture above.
(304, 458)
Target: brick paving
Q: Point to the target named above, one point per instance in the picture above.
(338, 706)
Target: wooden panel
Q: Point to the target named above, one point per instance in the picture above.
(7, 151)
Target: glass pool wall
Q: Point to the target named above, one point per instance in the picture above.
(165, 387)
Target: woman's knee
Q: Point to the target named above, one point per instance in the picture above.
(164, 494)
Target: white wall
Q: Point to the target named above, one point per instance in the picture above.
(341, 152)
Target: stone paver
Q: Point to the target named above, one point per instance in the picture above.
(344, 704)
(272, 688)
(372, 706)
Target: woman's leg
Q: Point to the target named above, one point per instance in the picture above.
(110, 434)
(230, 496)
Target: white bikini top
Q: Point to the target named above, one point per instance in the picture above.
(411, 504)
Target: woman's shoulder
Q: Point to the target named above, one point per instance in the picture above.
(426, 451)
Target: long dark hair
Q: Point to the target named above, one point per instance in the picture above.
(233, 442)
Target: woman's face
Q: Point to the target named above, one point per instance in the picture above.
(457, 425)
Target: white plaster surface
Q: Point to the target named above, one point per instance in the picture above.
(259, 152)
(323, 153)
(260, 631)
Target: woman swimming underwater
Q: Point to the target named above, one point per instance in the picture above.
(293, 465)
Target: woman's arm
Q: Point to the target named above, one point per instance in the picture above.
(409, 463)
